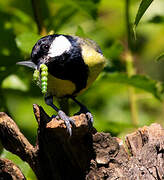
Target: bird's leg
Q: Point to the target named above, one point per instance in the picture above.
(83, 109)
(68, 121)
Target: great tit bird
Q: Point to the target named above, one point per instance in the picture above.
(73, 64)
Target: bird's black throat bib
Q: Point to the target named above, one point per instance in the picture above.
(70, 67)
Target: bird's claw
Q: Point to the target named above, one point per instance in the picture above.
(68, 121)
(89, 117)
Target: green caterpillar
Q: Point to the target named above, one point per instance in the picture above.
(44, 78)
(36, 75)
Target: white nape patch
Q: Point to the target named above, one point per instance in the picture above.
(60, 45)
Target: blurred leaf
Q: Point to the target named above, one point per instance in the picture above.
(89, 6)
(22, 16)
(160, 57)
(13, 82)
(62, 17)
(157, 19)
(80, 32)
(142, 9)
(137, 81)
(114, 62)
(25, 168)
(115, 50)
(113, 127)
(26, 41)
(8, 49)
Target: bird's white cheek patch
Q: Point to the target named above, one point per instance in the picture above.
(60, 45)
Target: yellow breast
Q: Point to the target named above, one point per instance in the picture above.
(95, 62)
(60, 88)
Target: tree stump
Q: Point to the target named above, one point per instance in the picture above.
(87, 154)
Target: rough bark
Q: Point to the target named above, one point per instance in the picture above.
(87, 154)
(8, 170)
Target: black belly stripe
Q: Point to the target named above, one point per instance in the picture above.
(70, 67)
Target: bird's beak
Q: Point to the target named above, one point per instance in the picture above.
(28, 64)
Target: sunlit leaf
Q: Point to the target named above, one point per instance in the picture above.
(137, 81)
(13, 82)
(25, 168)
(142, 9)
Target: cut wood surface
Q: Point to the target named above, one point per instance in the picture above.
(87, 154)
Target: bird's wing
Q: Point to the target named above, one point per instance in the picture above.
(90, 43)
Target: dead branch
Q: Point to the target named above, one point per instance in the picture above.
(87, 154)
(8, 170)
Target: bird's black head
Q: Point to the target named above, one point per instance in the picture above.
(40, 49)
(54, 48)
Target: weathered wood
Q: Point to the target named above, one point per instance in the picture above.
(8, 170)
(87, 154)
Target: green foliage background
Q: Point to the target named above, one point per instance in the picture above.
(122, 98)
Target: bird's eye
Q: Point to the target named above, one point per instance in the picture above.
(45, 47)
